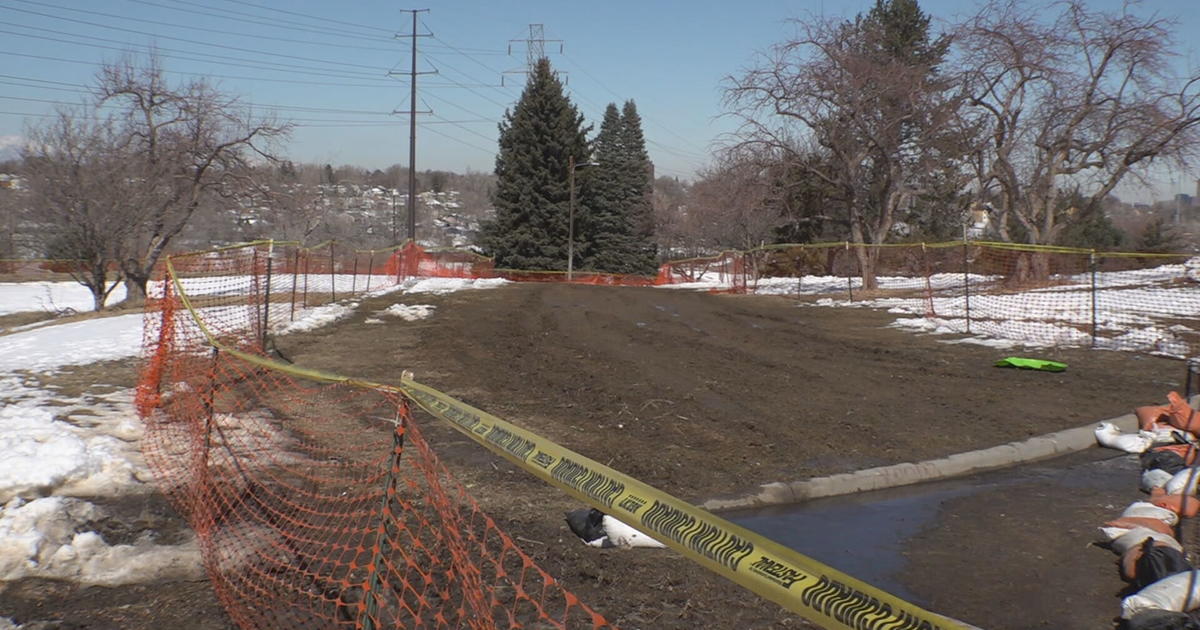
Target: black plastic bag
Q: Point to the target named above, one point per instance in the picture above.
(1161, 620)
(1162, 460)
(587, 524)
(1156, 563)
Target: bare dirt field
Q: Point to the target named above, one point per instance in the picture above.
(709, 395)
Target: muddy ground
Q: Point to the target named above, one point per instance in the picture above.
(707, 395)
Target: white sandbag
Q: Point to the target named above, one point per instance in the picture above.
(1107, 434)
(1183, 482)
(1109, 534)
(1135, 536)
(622, 535)
(1162, 434)
(1146, 509)
(1169, 593)
(1155, 478)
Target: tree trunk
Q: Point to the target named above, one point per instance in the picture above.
(867, 256)
(1030, 268)
(135, 289)
(98, 298)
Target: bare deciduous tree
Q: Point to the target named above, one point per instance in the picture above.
(841, 106)
(1070, 107)
(80, 183)
(726, 207)
(185, 142)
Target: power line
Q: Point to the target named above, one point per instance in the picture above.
(673, 151)
(266, 21)
(374, 123)
(273, 106)
(183, 55)
(470, 131)
(471, 89)
(477, 62)
(199, 74)
(458, 140)
(301, 28)
(658, 124)
(257, 36)
(178, 39)
(460, 107)
(311, 17)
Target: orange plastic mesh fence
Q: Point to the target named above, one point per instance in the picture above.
(33, 267)
(412, 260)
(317, 503)
(1045, 296)
(728, 269)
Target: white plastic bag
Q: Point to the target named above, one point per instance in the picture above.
(1183, 482)
(1146, 509)
(1154, 478)
(1135, 536)
(1107, 434)
(1169, 593)
(622, 535)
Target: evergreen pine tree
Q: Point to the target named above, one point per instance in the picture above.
(607, 231)
(900, 32)
(639, 183)
(538, 138)
(619, 220)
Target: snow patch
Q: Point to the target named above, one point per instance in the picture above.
(40, 455)
(410, 313)
(441, 286)
(317, 317)
(76, 343)
(40, 538)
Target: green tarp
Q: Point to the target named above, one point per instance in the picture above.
(1032, 364)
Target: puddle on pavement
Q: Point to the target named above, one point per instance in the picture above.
(865, 534)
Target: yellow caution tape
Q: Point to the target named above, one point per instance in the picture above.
(801, 584)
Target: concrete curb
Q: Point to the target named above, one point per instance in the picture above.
(1033, 449)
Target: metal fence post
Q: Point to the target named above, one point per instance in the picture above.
(332, 275)
(304, 293)
(255, 297)
(370, 268)
(354, 275)
(1193, 369)
(202, 460)
(295, 272)
(849, 285)
(1092, 265)
(799, 277)
(967, 282)
(267, 297)
(372, 590)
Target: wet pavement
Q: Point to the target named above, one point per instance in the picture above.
(869, 535)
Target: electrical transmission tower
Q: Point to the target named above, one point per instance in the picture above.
(412, 124)
(535, 49)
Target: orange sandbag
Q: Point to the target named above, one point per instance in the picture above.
(1150, 415)
(1181, 504)
(1129, 522)
(1128, 563)
(1181, 415)
(1186, 451)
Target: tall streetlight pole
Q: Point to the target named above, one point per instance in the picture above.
(571, 166)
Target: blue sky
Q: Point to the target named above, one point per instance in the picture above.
(324, 64)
